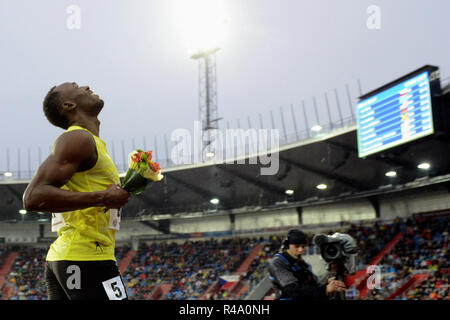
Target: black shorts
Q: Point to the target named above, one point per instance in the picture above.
(84, 280)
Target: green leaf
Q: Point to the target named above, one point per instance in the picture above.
(134, 182)
(142, 166)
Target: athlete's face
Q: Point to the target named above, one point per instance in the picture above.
(82, 97)
(296, 249)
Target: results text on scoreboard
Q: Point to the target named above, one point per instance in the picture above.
(395, 116)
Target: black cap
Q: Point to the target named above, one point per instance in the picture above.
(296, 236)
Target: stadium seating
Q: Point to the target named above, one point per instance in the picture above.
(191, 266)
(25, 280)
(416, 267)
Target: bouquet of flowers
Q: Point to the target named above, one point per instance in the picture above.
(141, 171)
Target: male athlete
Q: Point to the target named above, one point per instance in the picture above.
(76, 183)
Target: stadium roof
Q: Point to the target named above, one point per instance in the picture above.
(330, 159)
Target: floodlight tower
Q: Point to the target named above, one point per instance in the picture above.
(208, 113)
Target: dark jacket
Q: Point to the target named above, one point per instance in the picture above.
(293, 279)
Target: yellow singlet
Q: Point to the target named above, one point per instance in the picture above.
(85, 234)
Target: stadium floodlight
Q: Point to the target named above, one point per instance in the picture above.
(289, 192)
(23, 211)
(8, 174)
(202, 24)
(424, 166)
(322, 186)
(214, 201)
(316, 128)
(391, 174)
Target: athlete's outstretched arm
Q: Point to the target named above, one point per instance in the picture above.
(72, 150)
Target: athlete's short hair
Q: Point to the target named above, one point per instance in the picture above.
(52, 102)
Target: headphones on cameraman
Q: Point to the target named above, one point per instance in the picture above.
(294, 236)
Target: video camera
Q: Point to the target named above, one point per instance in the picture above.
(340, 248)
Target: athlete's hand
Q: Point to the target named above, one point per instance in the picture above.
(115, 197)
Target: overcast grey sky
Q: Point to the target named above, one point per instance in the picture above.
(275, 53)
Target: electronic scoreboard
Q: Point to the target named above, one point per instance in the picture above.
(397, 113)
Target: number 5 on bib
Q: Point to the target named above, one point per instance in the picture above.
(114, 288)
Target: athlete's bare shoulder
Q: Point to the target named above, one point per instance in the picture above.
(76, 145)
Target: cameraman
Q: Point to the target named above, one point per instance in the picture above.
(292, 277)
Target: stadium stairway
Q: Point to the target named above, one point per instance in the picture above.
(125, 262)
(410, 284)
(215, 287)
(4, 270)
(359, 279)
(236, 287)
(161, 291)
(242, 290)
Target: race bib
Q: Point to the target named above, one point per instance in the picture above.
(114, 219)
(114, 288)
(57, 221)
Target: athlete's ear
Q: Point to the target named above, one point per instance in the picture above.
(69, 105)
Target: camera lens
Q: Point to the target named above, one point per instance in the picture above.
(331, 251)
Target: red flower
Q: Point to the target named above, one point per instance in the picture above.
(154, 166)
(136, 157)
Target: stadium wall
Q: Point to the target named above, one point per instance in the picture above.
(415, 201)
(272, 219)
(353, 210)
(131, 229)
(403, 205)
(19, 232)
(392, 205)
(201, 224)
(48, 233)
